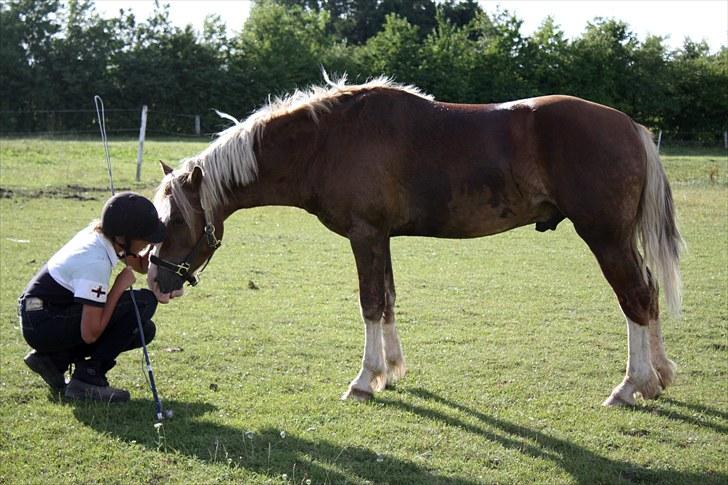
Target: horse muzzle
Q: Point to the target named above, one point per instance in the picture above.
(163, 284)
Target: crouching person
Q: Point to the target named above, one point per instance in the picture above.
(71, 316)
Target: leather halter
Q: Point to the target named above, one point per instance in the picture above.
(183, 269)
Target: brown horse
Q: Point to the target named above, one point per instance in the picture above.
(379, 160)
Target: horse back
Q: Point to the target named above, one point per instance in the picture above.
(425, 168)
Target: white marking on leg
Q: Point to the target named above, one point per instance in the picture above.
(641, 376)
(666, 369)
(373, 373)
(396, 368)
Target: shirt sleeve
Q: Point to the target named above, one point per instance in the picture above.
(91, 284)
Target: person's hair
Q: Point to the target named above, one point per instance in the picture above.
(97, 226)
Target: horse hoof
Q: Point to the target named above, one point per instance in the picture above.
(357, 395)
(617, 400)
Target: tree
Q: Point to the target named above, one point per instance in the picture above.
(602, 67)
(697, 100)
(546, 59)
(28, 29)
(395, 51)
(448, 59)
(499, 72)
(279, 49)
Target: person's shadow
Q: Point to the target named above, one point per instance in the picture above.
(269, 453)
(266, 451)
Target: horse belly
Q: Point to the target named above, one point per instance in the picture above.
(470, 215)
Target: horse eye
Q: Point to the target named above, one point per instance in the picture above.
(176, 221)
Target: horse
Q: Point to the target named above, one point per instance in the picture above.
(380, 159)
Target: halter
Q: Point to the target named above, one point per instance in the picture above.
(183, 269)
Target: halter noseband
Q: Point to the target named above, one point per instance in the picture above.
(183, 269)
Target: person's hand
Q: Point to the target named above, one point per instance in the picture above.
(126, 278)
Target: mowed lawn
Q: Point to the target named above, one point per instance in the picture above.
(512, 342)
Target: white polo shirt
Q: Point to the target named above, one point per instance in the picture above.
(82, 267)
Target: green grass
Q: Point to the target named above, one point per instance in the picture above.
(512, 342)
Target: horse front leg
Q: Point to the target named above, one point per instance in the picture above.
(396, 368)
(370, 255)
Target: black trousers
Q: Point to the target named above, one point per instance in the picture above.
(57, 330)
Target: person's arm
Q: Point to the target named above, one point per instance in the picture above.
(94, 319)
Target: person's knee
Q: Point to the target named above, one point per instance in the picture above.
(150, 330)
(147, 303)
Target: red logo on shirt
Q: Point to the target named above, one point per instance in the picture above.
(99, 291)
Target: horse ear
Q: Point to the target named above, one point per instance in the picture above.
(195, 178)
(165, 168)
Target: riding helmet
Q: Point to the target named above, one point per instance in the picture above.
(132, 216)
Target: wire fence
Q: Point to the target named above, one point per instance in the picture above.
(119, 122)
(67, 123)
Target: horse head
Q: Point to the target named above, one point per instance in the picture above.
(192, 231)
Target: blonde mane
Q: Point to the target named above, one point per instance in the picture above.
(230, 160)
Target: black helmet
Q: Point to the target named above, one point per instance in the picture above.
(132, 216)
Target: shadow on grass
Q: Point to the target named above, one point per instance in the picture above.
(698, 409)
(585, 466)
(265, 451)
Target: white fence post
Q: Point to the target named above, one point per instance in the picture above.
(197, 124)
(659, 141)
(142, 133)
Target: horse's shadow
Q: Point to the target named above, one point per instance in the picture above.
(582, 464)
(269, 452)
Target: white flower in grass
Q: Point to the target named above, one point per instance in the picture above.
(283, 434)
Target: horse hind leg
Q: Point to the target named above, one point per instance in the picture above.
(666, 368)
(396, 368)
(637, 297)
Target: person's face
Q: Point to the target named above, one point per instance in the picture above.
(138, 245)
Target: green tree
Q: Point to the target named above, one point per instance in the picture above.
(546, 57)
(16, 78)
(80, 54)
(649, 95)
(28, 30)
(698, 100)
(602, 67)
(279, 49)
(395, 51)
(448, 57)
(498, 73)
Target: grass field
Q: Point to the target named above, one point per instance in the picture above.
(512, 342)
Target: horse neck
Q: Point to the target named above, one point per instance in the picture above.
(283, 161)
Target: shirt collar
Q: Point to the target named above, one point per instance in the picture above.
(110, 251)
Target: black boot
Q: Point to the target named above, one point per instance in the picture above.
(89, 383)
(51, 367)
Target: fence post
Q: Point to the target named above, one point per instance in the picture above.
(659, 141)
(725, 140)
(142, 133)
(197, 124)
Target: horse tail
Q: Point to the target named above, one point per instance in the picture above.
(657, 230)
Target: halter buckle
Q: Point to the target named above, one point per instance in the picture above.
(182, 269)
